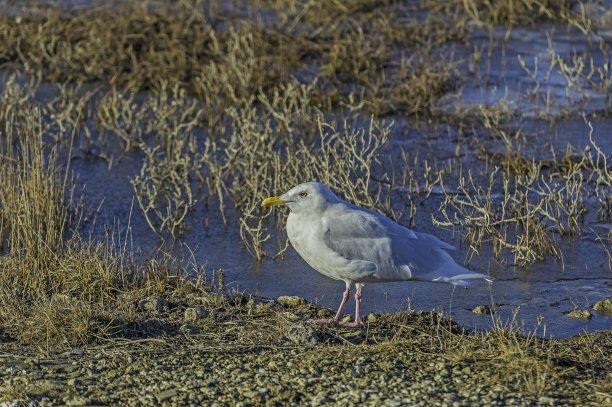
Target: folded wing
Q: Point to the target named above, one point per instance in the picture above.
(398, 252)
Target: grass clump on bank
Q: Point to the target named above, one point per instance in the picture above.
(217, 55)
(55, 287)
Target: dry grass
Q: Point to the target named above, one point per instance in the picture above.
(512, 13)
(526, 206)
(233, 104)
(53, 286)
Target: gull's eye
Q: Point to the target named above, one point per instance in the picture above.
(302, 194)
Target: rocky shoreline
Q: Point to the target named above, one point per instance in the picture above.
(193, 354)
(281, 376)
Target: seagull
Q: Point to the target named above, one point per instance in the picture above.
(356, 245)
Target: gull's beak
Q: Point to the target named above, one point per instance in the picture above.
(273, 201)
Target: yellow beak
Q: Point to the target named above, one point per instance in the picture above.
(273, 201)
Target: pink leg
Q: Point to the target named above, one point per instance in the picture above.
(357, 323)
(336, 319)
(345, 297)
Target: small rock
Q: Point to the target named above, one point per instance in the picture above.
(301, 334)
(371, 318)
(74, 382)
(580, 313)
(319, 399)
(153, 303)
(188, 329)
(259, 305)
(546, 400)
(291, 316)
(74, 352)
(78, 401)
(325, 313)
(165, 395)
(604, 307)
(47, 386)
(291, 300)
(483, 310)
(249, 394)
(195, 314)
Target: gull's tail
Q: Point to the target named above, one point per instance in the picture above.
(465, 279)
(425, 258)
(454, 274)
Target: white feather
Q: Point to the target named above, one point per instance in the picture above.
(356, 245)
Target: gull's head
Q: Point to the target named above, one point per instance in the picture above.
(303, 198)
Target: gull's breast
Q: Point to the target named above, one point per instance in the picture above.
(306, 237)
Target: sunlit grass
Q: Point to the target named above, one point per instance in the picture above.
(229, 109)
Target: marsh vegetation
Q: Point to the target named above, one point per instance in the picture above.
(429, 112)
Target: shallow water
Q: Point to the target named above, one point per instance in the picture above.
(537, 297)
(547, 289)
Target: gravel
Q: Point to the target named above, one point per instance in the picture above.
(238, 357)
(282, 376)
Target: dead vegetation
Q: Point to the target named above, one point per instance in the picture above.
(53, 285)
(527, 206)
(227, 106)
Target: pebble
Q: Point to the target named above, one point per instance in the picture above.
(483, 310)
(546, 400)
(74, 382)
(581, 314)
(74, 352)
(603, 307)
(166, 395)
(291, 300)
(301, 334)
(195, 314)
(189, 329)
(154, 304)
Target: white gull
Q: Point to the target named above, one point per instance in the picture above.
(356, 245)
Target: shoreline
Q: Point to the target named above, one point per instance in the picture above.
(241, 352)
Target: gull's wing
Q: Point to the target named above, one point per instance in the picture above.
(399, 253)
